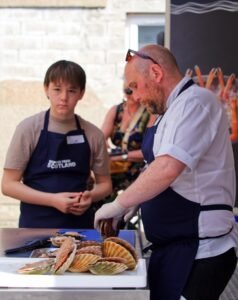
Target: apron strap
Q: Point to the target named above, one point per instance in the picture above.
(186, 86)
(46, 122)
(215, 207)
(217, 236)
(77, 122)
(153, 247)
(47, 116)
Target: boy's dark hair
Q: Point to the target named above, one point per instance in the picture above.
(66, 71)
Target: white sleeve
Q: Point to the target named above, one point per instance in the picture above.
(187, 132)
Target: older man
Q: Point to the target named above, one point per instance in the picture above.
(187, 191)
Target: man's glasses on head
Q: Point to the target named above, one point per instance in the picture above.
(131, 53)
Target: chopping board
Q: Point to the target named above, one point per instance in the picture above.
(11, 279)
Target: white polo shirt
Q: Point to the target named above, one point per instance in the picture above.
(195, 131)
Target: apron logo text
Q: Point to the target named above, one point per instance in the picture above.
(61, 164)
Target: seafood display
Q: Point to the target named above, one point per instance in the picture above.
(82, 262)
(64, 256)
(39, 267)
(226, 89)
(112, 256)
(108, 266)
(116, 247)
(61, 237)
(224, 86)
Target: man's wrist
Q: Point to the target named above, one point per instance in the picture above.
(119, 205)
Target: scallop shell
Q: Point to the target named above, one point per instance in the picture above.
(39, 267)
(114, 259)
(88, 243)
(97, 250)
(57, 241)
(113, 249)
(82, 262)
(65, 256)
(126, 245)
(107, 267)
(74, 234)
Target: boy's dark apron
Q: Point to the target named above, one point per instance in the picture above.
(171, 225)
(59, 163)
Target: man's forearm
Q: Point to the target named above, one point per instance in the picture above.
(155, 179)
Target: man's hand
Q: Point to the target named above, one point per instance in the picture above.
(112, 210)
(131, 212)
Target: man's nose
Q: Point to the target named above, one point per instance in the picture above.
(137, 98)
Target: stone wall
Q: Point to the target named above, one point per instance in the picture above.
(32, 38)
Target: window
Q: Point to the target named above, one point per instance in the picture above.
(142, 29)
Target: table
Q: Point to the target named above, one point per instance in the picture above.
(14, 237)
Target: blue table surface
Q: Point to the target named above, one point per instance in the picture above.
(90, 235)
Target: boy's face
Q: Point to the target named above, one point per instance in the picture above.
(63, 97)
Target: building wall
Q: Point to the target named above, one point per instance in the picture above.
(34, 34)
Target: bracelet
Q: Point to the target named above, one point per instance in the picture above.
(124, 156)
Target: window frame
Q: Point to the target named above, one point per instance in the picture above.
(135, 20)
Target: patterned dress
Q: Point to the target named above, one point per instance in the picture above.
(121, 181)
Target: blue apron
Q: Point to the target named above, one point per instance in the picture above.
(171, 225)
(59, 163)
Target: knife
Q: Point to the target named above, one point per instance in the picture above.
(32, 245)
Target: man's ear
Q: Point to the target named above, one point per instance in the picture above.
(156, 73)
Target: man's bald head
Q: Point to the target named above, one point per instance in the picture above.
(151, 73)
(161, 55)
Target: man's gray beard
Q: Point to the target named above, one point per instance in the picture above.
(156, 109)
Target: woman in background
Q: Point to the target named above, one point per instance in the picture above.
(123, 127)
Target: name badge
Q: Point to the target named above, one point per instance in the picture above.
(75, 139)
